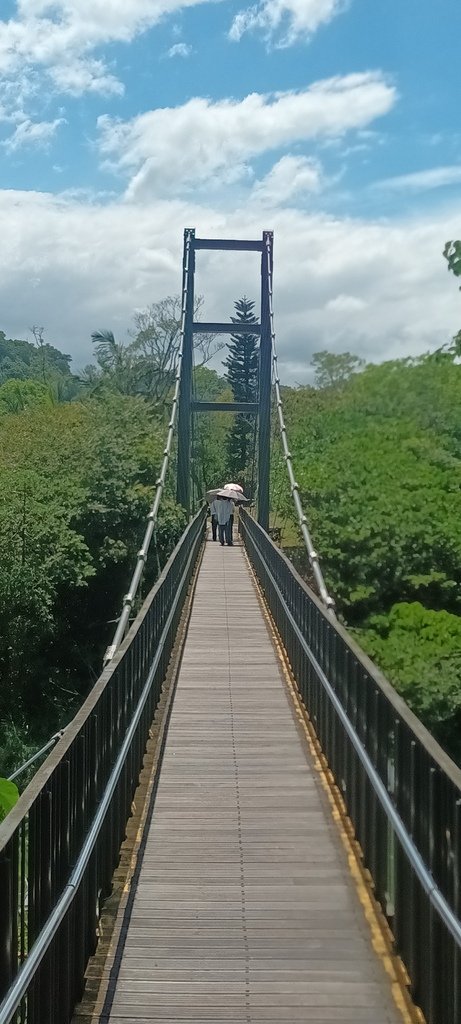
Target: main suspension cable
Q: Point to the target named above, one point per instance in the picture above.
(130, 597)
(294, 486)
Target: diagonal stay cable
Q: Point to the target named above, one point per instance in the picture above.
(129, 598)
(311, 552)
(34, 757)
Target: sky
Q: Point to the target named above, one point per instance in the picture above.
(334, 123)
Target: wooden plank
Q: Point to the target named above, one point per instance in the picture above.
(244, 909)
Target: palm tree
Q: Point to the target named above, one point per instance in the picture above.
(115, 361)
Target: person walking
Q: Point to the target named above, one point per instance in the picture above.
(230, 528)
(225, 515)
(214, 519)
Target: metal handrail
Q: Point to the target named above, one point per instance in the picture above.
(400, 789)
(294, 486)
(60, 843)
(130, 597)
(44, 939)
(427, 880)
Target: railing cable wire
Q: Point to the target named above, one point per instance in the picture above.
(294, 486)
(129, 599)
(34, 757)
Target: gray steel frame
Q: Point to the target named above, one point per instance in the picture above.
(262, 409)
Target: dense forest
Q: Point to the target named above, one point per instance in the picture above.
(377, 456)
(79, 457)
(377, 451)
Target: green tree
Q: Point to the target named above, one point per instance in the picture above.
(207, 385)
(378, 462)
(23, 360)
(452, 253)
(76, 483)
(146, 364)
(420, 652)
(115, 362)
(155, 343)
(332, 369)
(210, 432)
(17, 395)
(379, 468)
(242, 365)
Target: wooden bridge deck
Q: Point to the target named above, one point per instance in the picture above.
(244, 909)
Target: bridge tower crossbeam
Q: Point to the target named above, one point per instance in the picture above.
(261, 408)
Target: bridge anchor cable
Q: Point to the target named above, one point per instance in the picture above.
(312, 555)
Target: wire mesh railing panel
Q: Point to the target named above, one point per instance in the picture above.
(401, 791)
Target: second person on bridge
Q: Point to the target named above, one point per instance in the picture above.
(225, 515)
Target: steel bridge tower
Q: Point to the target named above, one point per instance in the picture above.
(261, 408)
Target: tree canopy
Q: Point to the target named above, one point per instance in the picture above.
(39, 361)
(146, 364)
(378, 462)
(334, 368)
(76, 482)
(242, 374)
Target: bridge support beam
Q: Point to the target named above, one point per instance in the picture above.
(185, 393)
(262, 409)
(265, 365)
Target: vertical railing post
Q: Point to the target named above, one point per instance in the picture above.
(7, 952)
(457, 908)
(184, 422)
(265, 366)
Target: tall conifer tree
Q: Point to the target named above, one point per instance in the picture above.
(242, 366)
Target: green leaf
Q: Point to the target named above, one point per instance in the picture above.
(9, 795)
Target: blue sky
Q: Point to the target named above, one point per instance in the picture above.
(336, 123)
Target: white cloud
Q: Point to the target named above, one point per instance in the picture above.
(179, 50)
(290, 177)
(82, 76)
(345, 304)
(75, 265)
(435, 177)
(286, 19)
(33, 133)
(56, 38)
(15, 95)
(168, 148)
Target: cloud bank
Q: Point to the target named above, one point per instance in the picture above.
(340, 284)
(166, 149)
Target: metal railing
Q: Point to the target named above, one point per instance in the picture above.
(401, 791)
(60, 844)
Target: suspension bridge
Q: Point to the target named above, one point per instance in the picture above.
(244, 822)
